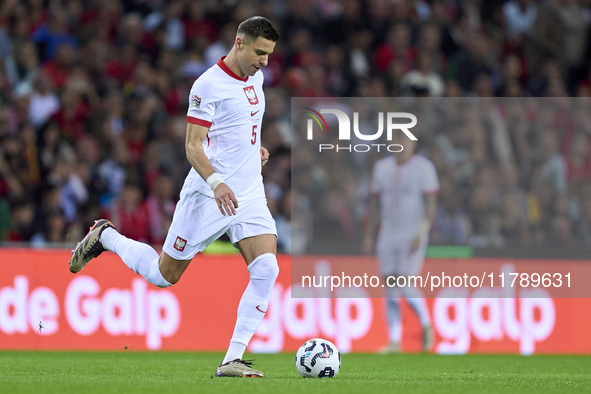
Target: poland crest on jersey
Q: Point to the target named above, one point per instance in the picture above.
(180, 244)
(251, 95)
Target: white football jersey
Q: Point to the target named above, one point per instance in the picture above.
(232, 108)
(401, 188)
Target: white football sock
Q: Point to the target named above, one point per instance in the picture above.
(140, 257)
(253, 304)
(393, 313)
(108, 238)
(416, 300)
(236, 350)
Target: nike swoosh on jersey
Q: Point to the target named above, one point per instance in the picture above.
(254, 113)
(259, 309)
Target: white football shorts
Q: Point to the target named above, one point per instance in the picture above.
(397, 260)
(197, 222)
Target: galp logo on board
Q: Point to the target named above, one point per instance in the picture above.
(136, 310)
(392, 124)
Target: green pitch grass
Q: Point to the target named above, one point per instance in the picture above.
(129, 372)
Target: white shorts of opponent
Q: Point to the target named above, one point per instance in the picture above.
(197, 222)
(396, 259)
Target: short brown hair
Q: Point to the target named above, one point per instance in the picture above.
(258, 26)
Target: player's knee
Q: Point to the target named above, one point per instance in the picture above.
(173, 279)
(171, 274)
(274, 270)
(264, 267)
(172, 270)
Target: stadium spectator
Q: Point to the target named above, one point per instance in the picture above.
(561, 234)
(54, 228)
(423, 77)
(583, 225)
(170, 20)
(50, 36)
(112, 171)
(473, 62)
(197, 26)
(74, 190)
(20, 223)
(578, 160)
(553, 167)
(160, 204)
(221, 46)
(396, 49)
(43, 102)
(547, 39)
(451, 225)
(27, 63)
(519, 18)
(130, 213)
(59, 68)
(513, 226)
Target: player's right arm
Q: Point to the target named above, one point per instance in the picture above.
(204, 103)
(224, 196)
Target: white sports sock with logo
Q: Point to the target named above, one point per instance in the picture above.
(253, 305)
(140, 257)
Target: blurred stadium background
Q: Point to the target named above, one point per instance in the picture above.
(93, 99)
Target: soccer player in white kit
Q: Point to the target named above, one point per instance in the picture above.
(223, 192)
(403, 203)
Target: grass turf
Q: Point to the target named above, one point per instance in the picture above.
(165, 372)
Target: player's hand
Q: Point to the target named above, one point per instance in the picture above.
(367, 246)
(414, 246)
(226, 200)
(264, 155)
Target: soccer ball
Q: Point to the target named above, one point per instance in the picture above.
(318, 358)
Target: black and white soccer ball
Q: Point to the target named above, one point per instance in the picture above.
(318, 358)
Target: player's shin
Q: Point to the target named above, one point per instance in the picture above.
(414, 297)
(393, 314)
(140, 257)
(253, 305)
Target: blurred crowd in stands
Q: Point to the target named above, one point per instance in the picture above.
(93, 99)
(513, 172)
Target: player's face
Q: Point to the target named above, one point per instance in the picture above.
(254, 54)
